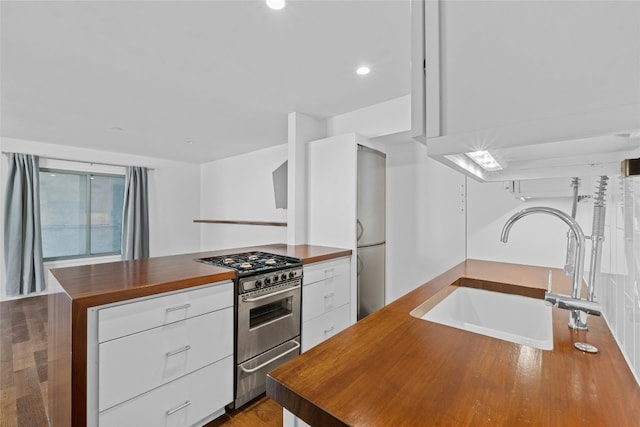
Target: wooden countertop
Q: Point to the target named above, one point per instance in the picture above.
(392, 369)
(118, 281)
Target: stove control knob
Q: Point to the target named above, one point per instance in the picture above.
(283, 277)
(292, 274)
(267, 280)
(258, 283)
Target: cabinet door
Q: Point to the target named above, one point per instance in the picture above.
(190, 400)
(139, 315)
(327, 270)
(321, 297)
(332, 191)
(323, 327)
(137, 363)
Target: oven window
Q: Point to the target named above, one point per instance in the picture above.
(269, 312)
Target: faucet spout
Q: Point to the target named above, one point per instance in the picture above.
(576, 230)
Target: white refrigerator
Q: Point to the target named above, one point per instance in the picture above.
(370, 229)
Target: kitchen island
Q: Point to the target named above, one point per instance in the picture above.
(78, 290)
(392, 369)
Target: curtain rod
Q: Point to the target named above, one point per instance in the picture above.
(80, 161)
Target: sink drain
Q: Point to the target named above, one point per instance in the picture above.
(587, 348)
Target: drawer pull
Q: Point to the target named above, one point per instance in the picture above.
(180, 307)
(326, 331)
(273, 359)
(178, 351)
(174, 410)
(329, 295)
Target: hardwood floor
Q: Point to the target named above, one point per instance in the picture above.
(262, 412)
(23, 372)
(23, 362)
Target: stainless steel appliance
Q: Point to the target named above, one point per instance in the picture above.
(267, 316)
(371, 230)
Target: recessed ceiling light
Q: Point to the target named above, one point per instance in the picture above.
(275, 4)
(363, 71)
(485, 160)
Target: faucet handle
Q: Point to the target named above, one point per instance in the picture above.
(549, 280)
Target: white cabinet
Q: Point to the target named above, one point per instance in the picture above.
(332, 197)
(186, 401)
(135, 316)
(542, 85)
(161, 360)
(325, 300)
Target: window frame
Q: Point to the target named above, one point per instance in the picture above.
(87, 176)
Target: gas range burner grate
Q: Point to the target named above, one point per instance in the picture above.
(253, 262)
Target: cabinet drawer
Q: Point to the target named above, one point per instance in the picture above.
(319, 329)
(142, 314)
(323, 296)
(183, 402)
(326, 270)
(134, 364)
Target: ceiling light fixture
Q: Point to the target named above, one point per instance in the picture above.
(363, 70)
(485, 160)
(275, 4)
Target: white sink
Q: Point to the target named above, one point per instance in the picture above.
(514, 318)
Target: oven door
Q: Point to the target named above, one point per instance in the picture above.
(251, 376)
(267, 318)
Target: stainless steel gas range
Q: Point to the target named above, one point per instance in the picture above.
(267, 316)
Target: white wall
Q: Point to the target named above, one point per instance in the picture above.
(240, 188)
(174, 196)
(425, 218)
(3, 276)
(301, 130)
(534, 240)
(385, 118)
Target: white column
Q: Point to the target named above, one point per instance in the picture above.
(301, 129)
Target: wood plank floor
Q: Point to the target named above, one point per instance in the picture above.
(23, 372)
(23, 362)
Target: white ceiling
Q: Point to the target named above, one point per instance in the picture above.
(223, 74)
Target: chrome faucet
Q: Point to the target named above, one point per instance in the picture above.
(577, 306)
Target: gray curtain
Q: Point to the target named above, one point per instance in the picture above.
(135, 215)
(22, 233)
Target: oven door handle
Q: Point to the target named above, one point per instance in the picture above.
(260, 298)
(273, 359)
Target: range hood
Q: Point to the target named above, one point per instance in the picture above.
(584, 144)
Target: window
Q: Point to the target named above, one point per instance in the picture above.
(80, 214)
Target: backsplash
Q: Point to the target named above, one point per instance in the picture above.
(619, 286)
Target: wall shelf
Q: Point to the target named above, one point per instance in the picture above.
(264, 223)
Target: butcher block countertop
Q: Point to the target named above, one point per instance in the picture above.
(99, 284)
(392, 369)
